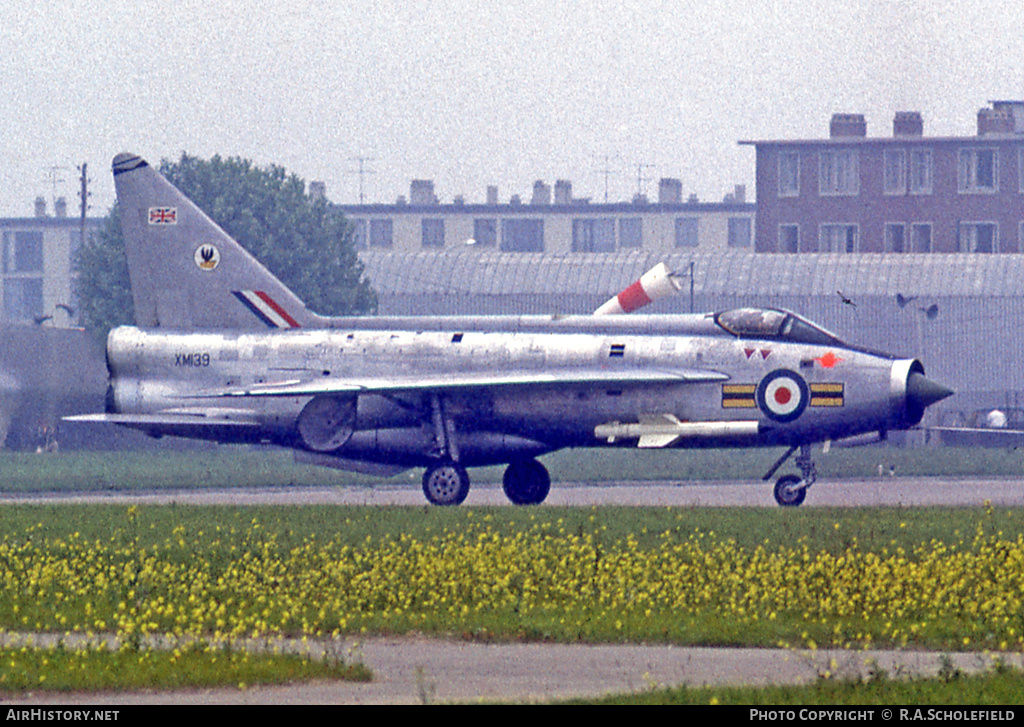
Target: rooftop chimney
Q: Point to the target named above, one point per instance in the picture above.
(995, 121)
(492, 194)
(40, 206)
(670, 191)
(563, 191)
(1016, 109)
(541, 193)
(60, 207)
(848, 125)
(421, 192)
(908, 123)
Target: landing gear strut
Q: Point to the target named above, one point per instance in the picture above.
(445, 482)
(526, 482)
(790, 490)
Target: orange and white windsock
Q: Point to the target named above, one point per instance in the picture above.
(658, 282)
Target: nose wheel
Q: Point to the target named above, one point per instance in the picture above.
(790, 490)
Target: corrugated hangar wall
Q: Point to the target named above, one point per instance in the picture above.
(961, 315)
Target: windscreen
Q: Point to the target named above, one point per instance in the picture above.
(774, 324)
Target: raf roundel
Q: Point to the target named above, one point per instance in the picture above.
(782, 395)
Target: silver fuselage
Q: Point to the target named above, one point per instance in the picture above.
(233, 386)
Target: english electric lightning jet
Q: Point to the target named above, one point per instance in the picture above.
(223, 351)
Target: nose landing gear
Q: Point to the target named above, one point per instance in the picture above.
(790, 490)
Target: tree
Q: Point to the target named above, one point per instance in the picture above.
(302, 240)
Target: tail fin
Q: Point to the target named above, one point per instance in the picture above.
(186, 272)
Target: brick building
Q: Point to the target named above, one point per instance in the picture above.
(906, 193)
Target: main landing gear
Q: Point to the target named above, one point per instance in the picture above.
(790, 490)
(446, 482)
(526, 482)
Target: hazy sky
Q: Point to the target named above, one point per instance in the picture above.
(474, 94)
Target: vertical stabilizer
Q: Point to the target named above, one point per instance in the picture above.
(186, 272)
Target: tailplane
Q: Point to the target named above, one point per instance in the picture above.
(186, 272)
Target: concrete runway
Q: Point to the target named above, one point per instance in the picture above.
(866, 492)
(411, 670)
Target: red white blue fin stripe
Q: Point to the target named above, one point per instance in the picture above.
(266, 309)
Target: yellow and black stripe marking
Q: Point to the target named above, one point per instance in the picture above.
(827, 394)
(738, 396)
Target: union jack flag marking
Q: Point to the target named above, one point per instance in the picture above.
(266, 309)
(163, 215)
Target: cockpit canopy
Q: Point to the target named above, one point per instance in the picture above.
(768, 323)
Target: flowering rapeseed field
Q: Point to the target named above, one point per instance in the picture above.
(540, 582)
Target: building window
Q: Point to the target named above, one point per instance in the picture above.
(739, 232)
(921, 237)
(838, 238)
(631, 232)
(895, 237)
(789, 174)
(839, 172)
(1020, 172)
(23, 298)
(433, 232)
(381, 233)
(485, 231)
(23, 252)
(358, 234)
(522, 235)
(789, 238)
(977, 171)
(895, 171)
(686, 232)
(978, 237)
(921, 171)
(593, 235)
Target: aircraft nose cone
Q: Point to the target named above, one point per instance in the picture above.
(922, 392)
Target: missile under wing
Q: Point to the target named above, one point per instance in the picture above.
(223, 351)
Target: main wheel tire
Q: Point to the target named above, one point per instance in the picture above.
(787, 494)
(446, 484)
(526, 482)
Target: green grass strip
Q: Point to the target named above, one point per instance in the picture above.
(98, 668)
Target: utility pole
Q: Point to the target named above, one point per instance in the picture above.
(83, 196)
(362, 171)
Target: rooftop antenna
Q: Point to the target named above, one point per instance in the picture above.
(53, 172)
(640, 178)
(362, 172)
(607, 172)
